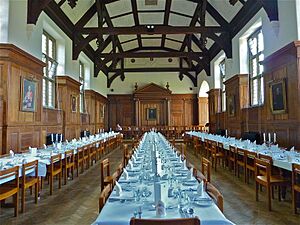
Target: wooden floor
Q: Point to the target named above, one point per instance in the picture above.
(77, 202)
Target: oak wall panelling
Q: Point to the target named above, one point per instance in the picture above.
(203, 110)
(172, 109)
(281, 65)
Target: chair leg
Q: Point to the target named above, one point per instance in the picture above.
(256, 190)
(23, 200)
(16, 203)
(36, 190)
(59, 180)
(51, 184)
(65, 176)
(294, 199)
(269, 197)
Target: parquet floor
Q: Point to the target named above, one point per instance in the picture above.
(77, 202)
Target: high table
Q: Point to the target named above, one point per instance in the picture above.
(281, 158)
(119, 209)
(44, 155)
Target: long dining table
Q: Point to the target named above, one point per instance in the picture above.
(44, 155)
(281, 158)
(138, 192)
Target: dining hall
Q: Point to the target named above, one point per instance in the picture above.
(149, 112)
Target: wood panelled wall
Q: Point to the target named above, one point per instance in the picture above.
(283, 64)
(172, 109)
(20, 129)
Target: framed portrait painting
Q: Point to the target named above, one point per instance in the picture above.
(151, 113)
(231, 105)
(73, 103)
(278, 97)
(28, 94)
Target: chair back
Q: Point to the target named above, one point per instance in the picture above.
(33, 167)
(295, 175)
(213, 147)
(205, 168)
(216, 195)
(69, 157)
(56, 159)
(105, 166)
(220, 147)
(11, 174)
(266, 158)
(180, 221)
(104, 196)
(262, 167)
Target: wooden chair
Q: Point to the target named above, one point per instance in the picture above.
(295, 184)
(199, 176)
(216, 155)
(93, 153)
(180, 221)
(250, 168)
(99, 149)
(207, 146)
(205, 168)
(54, 169)
(11, 189)
(86, 156)
(241, 162)
(126, 155)
(216, 195)
(68, 165)
(231, 158)
(104, 196)
(197, 146)
(264, 177)
(116, 175)
(106, 179)
(79, 160)
(28, 181)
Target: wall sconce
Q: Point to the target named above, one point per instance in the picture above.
(136, 86)
(167, 86)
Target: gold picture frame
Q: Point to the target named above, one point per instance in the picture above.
(278, 96)
(28, 94)
(231, 105)
(151, 113)
(73, 103)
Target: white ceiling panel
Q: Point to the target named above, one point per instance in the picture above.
(142, 6)
(130, 45)
(126, 37)
(226, 9)
(172, 44)
(152, 35)
(178, 37)
(78, 11)
(151, 18)
(124, 21)
(119, 7)
(151, 42)
(176, 20)
(186, 7)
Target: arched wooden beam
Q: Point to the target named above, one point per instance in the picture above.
(113, 77)
(79, 46)
(34, 9)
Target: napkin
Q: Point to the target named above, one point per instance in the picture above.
(67, 141)
(11, 153)
(200, 188)
(184, 164)
(160, 209)
(133, 158)
(118, 189)
(125, 174)
(160, 192)
(130, 166)
(24, 161)
(190, 174)
(33, 151)
(45, 146)
(292, 149)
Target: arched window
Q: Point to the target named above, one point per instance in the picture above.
(204, 88)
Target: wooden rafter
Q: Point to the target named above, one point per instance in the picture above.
(166, 20)
(136, 20)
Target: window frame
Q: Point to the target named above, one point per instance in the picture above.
(46, 75)
(222, 86)
(260, 76)
(82, 87)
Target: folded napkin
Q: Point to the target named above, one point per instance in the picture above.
(200, 188)
(45, 146)
(184, 164)
(125, 174)
(190, 174)
(67, 141)
(292, 149)
(133, 158)
(118, 189)
(11, 153)
(130, 165)
(24, 161)
(160, 209)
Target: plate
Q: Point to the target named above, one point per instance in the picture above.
(203, 202)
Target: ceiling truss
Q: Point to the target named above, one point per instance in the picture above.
(197, 33)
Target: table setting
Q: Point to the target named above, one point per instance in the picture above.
(157, 184)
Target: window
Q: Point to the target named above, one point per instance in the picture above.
(222, 86)
(49, 55)
(256, 56)
(81, 80)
